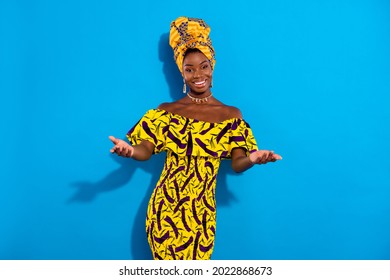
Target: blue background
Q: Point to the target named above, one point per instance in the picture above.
(311, 77)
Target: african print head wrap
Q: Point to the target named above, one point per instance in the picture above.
(186, 33)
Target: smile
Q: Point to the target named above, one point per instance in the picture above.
(202, 83)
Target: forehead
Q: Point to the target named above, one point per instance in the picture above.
(195, 58)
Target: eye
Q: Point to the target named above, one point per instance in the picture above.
(205, 66)
(188, 70)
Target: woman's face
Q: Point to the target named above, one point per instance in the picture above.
(197, 72)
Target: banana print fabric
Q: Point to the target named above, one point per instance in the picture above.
(181, 215)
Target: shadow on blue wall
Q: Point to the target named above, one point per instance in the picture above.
(170, 69)
(87, 191)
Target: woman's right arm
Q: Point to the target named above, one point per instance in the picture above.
(142, 151)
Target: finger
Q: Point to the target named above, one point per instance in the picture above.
(124, 151)
(277, 157)
(113, 149)
(121, 153)
(261, 157)
(129, 153)
(264, 157)
(113, 139)
(268, 156)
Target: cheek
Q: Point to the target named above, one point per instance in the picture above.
(186, 76)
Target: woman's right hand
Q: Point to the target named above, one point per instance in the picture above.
(121, 147)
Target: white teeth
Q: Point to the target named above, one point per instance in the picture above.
(200, 83)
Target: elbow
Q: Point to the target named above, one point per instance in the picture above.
(237, 169)
(143, 151)
(241, 165)
(143, 157)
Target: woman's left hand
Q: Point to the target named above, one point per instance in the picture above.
(263, 157)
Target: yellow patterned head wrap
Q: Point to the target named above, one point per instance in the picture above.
(186, 33)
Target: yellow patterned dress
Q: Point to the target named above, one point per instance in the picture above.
(181, 215)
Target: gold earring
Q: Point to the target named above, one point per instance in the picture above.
(184, 86)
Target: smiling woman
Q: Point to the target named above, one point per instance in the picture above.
(196, 132)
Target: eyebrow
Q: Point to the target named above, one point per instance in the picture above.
(193, 65)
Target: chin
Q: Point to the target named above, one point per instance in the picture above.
(200, 90)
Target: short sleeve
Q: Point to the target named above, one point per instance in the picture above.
(241, 136)
(151, 128)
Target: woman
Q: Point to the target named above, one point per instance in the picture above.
(196, 131)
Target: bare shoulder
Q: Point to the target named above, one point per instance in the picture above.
(229, 112)
(165, 106)
(233, 112)
(172, 106)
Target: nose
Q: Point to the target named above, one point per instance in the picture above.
(196, 73)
